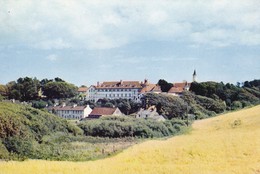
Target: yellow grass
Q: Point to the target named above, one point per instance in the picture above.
(228, 143)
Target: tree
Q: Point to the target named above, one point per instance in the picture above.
(165, 86)
(59, 90)
(57, 79)
(24, 89)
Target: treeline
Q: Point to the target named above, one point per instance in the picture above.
(32, 89)
(234, 96)
(205, 99)
(122, 126)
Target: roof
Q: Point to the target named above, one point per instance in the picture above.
(103, 111)
(151, 88)
(119, 84)
(157, 88)
(147, 88)
(82, 89)
(181, 85)
(69, 108)
(176, 90)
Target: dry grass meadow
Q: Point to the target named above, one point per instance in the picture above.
(229, 144)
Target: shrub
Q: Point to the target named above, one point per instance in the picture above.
(122, 126)
(236, 105)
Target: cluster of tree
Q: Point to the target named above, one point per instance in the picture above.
(202, 107)
(167, 105)
(23, 132)
(29, 89)
(205, 99)
(234, 96)
(122, 126)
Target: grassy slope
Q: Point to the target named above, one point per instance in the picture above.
(228, 143)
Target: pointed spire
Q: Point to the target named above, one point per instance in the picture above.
(194, 77)
(194, 73)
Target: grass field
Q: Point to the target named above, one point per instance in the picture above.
(229, 144)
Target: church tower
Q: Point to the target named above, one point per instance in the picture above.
(194, 77)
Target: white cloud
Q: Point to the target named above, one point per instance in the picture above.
(62, 24)
(52, 57)
(52, 44)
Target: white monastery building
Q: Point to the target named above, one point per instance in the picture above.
(116, 89)
(133, 90)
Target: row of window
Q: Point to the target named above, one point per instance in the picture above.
(71, 116)
(73, 112)
(108, 90)
(118, 95)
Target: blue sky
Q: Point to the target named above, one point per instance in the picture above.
(85, 41)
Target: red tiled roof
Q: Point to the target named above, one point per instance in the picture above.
(181, 85)
(69, 108)
(119, 84)
(103, 111)
(151, 88)
(82, 89)
(176, 90)
(147, 88)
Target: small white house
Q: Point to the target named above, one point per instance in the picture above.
(150, 113)
(71, 112)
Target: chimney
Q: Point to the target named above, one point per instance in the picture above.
(121, 82)
(74, 105)
(63, 104)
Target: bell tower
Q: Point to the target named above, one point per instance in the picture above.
(194, 76)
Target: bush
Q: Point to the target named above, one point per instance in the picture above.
(25, 132)
(122, 126)
(23, 147)
(4, 154)
(217, 106)
(236, 105)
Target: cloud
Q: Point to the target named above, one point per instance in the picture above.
(52, 44)
(104, 25)
(52, 57)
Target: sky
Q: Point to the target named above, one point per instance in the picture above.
(85, 41)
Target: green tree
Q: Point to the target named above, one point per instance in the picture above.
(59, 90)
(24, 89)
(167, 105)
(165, 86)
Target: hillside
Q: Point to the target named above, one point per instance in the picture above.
(225, 144)
(26, 132)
